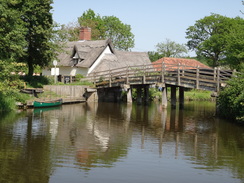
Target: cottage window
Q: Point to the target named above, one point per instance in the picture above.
(76, 61)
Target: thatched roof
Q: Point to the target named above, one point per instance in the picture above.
(122, 59)
(88, 51)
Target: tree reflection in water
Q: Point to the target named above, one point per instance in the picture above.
(39, 143)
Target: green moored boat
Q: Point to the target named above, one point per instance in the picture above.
(50, 103)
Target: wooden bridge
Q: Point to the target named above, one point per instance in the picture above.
(162, 75)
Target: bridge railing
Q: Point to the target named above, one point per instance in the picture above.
(163, 72)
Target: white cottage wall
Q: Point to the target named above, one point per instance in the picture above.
(106, 51)
(67, 71)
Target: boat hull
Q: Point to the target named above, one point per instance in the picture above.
(52, 103)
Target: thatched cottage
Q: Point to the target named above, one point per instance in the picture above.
(86, 56)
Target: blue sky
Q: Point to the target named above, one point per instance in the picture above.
(152, 21)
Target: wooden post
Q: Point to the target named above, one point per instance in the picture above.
(218, 79)
(183, 70)
(181, 97)
(178, 74)
(143, 79)
(127, 74)
(129, 95)
(173, 97)
(215, 74)
(139, 95)
(110, 78)
(128, 89)
(162, 72)
(164, 97)
(144, 75)
(94, 78)
(146, 94)
(197, 78)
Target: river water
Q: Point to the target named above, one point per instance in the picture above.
(113, 143)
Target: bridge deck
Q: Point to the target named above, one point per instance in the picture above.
(178, 75)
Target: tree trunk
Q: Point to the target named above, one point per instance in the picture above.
(30, 68)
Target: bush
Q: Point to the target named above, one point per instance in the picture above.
(37, 81)
(7, 103)
(78, 77)
(231, 99)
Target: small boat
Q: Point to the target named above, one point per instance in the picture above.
(50, 103)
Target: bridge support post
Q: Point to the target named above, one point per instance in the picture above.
(118, 95)
(146, 94)
(129, 96)
(164, 97)
(173, 97)
(181, 97)
(128, 91)
(139, 95)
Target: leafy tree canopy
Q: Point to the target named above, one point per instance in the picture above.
(26, 32)
(235, 45)
(103, 27)
(211, 38)
(171, 49)
(39, 24)
(12, 38)
(153, 56)
(95, 22)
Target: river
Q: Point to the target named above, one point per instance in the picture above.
(120, 143)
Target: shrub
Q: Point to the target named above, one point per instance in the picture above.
(78, 77)
(7, 103)
(231, 99)
(37, 81)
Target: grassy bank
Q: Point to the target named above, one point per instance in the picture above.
(198, 95)
(189, 95)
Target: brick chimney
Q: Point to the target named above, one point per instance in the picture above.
(85, 33)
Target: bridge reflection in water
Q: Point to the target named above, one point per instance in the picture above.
(85, 141)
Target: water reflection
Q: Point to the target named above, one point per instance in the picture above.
(36, 145)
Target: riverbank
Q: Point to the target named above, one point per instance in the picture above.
(75, 94)
(29, 103)
(189, 95)
(199, 95)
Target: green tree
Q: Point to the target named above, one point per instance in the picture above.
(119, 33)
(68, 32)
(231, 99)
(153, 56)
(95, 22)
(38, 20)
(235, 45)
(208, 38)
(171, 49)
(9, 85)
(106, 27)
(12, 37)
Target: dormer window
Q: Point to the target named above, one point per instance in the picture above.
(76, 59)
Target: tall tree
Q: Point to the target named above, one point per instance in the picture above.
(95, 22)
(235, 45)
(12, 31)
(119, 33)
(153, 56)
(68, 32)
(171, 49)
(37, 19)
(208, 38)
(106, 27)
